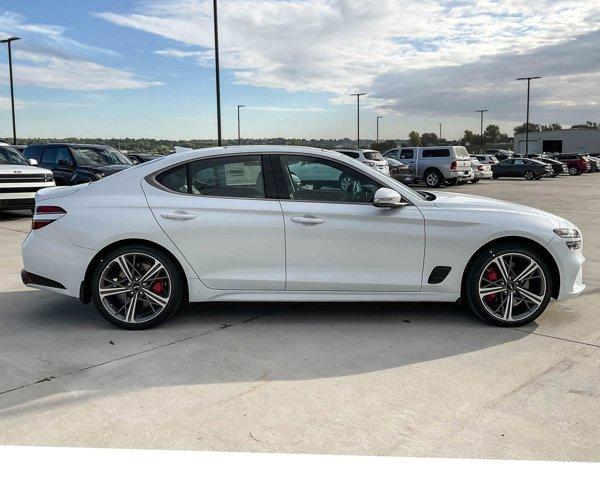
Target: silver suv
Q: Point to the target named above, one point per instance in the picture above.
(372, 158)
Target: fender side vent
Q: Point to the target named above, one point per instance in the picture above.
(438, 274)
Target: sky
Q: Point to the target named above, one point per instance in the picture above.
(145, 68)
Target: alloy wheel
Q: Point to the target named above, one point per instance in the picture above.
(134, 287)
(432, 179)
(512, 287)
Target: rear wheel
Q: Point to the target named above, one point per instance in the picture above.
(508, 285)
(136, 287)
(573, 171)
(433, 178)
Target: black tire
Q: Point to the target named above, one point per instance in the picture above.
(475, 180)
(176, 287)
(539, 177)
(480, 263)
(452, 182)
(528, 175)
(573, 171)
(433, 178)
(495, 177)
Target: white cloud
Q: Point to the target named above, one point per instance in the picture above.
(48, 58)
(338, 46)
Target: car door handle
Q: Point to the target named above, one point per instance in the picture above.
(178, 216)
(308, 220)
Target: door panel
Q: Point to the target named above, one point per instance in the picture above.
(231, 243)
(337, 240)
(353, 247)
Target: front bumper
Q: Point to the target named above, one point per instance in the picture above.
(570, 267)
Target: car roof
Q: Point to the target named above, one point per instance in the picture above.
(84, 145)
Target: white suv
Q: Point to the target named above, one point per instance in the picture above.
(371, 158)
(19, 180)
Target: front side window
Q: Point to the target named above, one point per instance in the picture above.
(9, 156)
(391, 154)
(322, 180)
(406, 154)
(54, 155)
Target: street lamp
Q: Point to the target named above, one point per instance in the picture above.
(239, 138)
(357, 95)
(377, 140)
(481, 131)
(8, 41)
(440, 124)
(217, 73)
(529, 79)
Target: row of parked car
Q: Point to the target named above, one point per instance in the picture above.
(26, 169)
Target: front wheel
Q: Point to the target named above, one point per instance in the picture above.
(136, 287)
(508, 285)
(573, 171)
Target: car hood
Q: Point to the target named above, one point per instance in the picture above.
(6, 169)
(106, 169)
(461, 201)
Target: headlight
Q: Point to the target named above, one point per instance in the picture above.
(48, 177)
(567, 232)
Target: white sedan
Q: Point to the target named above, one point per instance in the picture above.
(245, 224)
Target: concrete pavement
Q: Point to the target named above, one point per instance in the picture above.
(383, 379)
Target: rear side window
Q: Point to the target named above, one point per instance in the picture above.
(436, 153)
(175, 179)
(238, 176)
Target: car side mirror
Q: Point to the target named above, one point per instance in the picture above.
(65, 164)
(33, 161)
(388, 198)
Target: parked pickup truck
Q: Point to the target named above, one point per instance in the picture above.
(436, 166)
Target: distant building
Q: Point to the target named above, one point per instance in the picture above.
(568, 140)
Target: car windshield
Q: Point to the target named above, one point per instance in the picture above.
(373, 156)
(9, 156)
(100, 156)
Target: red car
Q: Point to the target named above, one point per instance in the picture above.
(576, 163)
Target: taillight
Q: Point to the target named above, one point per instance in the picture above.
(453, 165)
(49, 209)
(45, 215)
(480, 168)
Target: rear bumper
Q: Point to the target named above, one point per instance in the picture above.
(482, 175)
(48, 254)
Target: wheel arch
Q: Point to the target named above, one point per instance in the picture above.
(525, 242)
(85, 294)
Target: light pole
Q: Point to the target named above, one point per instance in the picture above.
(377, 139)
(529, 79)
(239, 137)
(8, 41)
(481, 131)
(217, 73)
(357, 95)
(440, 124)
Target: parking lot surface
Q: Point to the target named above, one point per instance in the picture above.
(374, 379)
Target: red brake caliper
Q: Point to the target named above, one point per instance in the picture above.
(158, 287)
(490, 275)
